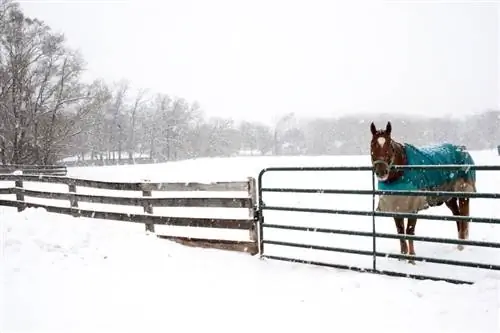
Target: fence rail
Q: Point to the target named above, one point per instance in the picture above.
(246, 200)
(135, 201)
(373, 192)
(55, 170)
(131, 186)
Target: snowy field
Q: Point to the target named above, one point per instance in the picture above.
(65, 274)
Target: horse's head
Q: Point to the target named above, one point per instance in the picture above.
(382, 151)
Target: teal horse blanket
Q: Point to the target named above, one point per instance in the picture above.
(427, 179)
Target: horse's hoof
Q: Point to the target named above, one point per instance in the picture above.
(411, 262)
(460, 247)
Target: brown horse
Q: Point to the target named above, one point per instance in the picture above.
(386, 152)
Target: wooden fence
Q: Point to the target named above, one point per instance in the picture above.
(54, 170)
(148, 202)
(104, 162)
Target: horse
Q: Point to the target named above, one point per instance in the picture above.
(386, 152)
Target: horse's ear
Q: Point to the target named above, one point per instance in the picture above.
(373, 128)
(388, 128)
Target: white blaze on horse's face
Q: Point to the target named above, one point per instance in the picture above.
(381, 141)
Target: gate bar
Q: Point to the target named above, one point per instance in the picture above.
(370, 168)
(386, 235)
(385, 192)
(388, 255)
(385, 214)
(368, 270)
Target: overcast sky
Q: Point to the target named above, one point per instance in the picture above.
(261, 58)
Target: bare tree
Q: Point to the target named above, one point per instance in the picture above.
(39, 86)
(90, 129)
(155, 124)
(117, 119)
(256, 136)
(138, 104)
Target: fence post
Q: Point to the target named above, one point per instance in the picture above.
(19, 191)
(73, 201)
(374, 259)
(148, 208)
(252, 194)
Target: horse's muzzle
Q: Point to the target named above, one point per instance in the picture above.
(381, 169)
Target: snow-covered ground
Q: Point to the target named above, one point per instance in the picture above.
(65, 274)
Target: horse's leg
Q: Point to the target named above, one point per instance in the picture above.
(400, 227)
(463, 232)
(452, 204)
(410, 230)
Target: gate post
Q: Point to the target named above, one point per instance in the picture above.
(260, 213)
(373, 223)
(253, 210)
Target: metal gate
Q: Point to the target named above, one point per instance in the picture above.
(371, 232)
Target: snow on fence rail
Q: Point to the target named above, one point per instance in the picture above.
(150, 217)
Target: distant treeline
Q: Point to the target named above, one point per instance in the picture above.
(47, 113)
